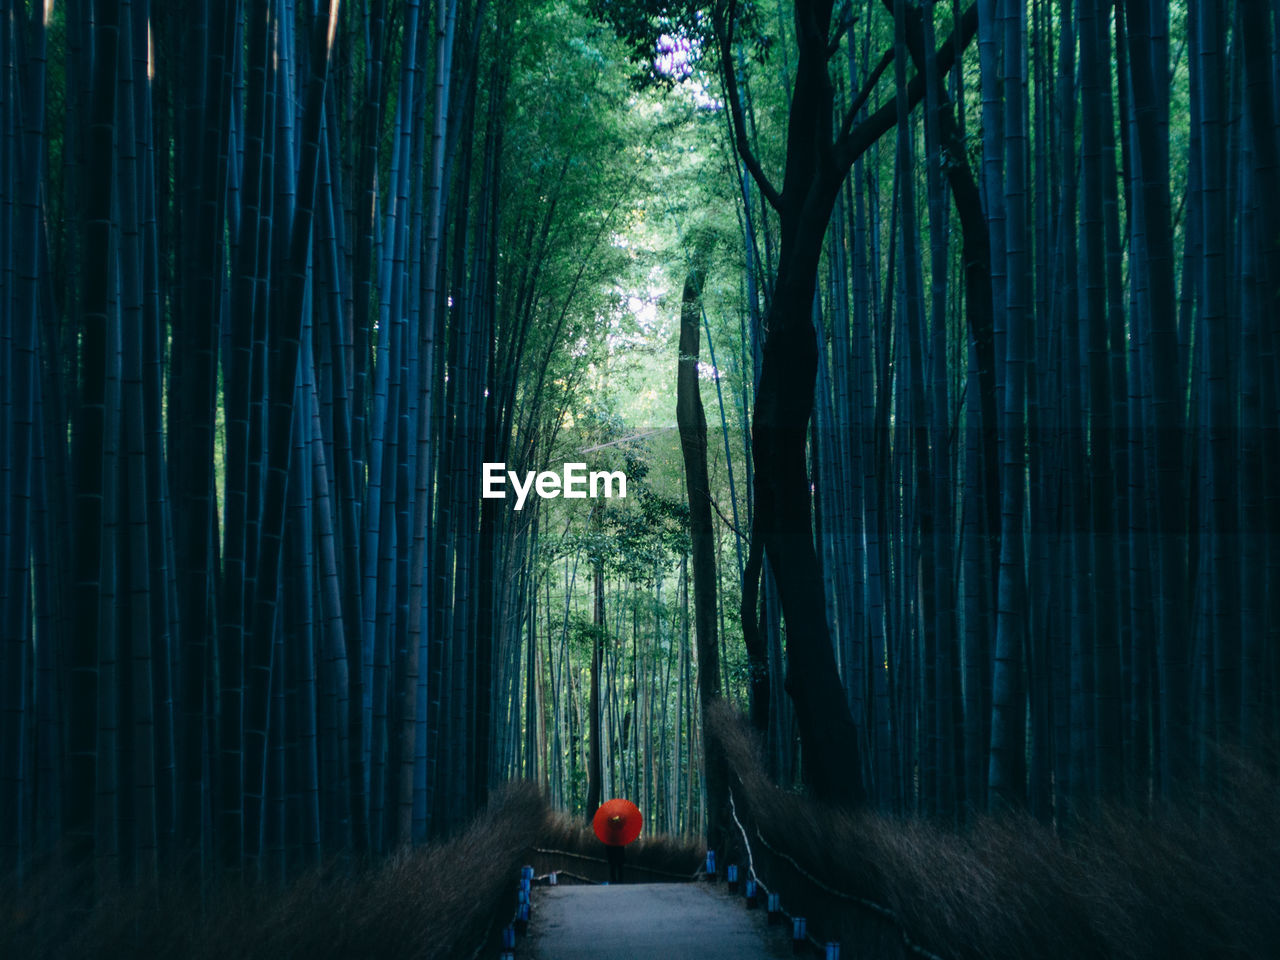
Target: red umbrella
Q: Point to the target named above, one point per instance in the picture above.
(617, 822)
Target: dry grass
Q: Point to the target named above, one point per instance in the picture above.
(1182, 883)
(442, 902)
(652, 858)
(1178, 883)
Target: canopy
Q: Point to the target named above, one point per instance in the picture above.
(617, 822)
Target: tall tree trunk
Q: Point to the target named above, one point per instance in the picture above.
(594, 746)
(83, 695)
(692, 422)
(1102, 632)
(818, 157)
(1165, 421)
(1007, 775)
(284, 369)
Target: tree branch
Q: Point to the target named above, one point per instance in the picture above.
(851, 145)
(724, 32)
(846, 21)
(727, 522)
(864, 93)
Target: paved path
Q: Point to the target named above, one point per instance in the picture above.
(649, 921)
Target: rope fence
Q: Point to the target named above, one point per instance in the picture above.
(879, 909)
(630, 866)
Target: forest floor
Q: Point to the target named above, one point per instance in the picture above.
(646, 920)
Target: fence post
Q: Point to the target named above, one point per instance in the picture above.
(799, 934)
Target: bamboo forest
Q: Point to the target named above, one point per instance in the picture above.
(917, 366)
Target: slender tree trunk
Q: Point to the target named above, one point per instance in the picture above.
(82, 741)
(1147, 57)
(1007, 775)
(284, 368)
(693, 443)
(594, 749)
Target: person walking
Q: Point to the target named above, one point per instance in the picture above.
(617, 823)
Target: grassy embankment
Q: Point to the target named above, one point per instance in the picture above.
(447, 901)
(1199, 880)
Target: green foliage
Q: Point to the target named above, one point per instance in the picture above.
(683, 31)
(583, 635)
(642, 25)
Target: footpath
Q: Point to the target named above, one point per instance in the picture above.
(649, 921)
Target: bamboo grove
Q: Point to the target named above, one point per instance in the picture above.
(1044, 439)
(1076, 509)
(278, 277)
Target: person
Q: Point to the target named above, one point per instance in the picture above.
(616, 822)
(615, 853)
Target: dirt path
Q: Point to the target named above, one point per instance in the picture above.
(649, 921)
